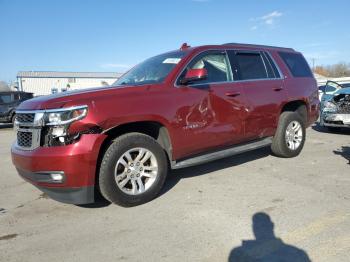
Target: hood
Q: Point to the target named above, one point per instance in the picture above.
(74, 97)
(345, 91)
(342, 91)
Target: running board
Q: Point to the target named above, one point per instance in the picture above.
(238, 149)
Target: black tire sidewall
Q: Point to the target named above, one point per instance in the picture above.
(118, 147)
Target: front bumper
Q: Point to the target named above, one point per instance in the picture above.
(77, 162)
(335, 120)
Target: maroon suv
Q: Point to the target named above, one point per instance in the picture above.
(174, 110)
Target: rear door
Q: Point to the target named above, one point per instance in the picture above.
(262, 86)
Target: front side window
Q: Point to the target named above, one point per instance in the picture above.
(250, 66)
(217, 67)
(152, 71)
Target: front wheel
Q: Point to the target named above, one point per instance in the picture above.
(133, 170)
(13, 119)
(290, 135)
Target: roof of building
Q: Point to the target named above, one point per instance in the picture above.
(53, 74)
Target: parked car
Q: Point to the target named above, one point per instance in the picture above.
(174, 110)
(9, 101)
(335, 106)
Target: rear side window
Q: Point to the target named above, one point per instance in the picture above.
(250, 66)
(296, 64)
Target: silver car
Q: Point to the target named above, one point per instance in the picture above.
(335, 105)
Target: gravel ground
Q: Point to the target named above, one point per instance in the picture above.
(203, 213)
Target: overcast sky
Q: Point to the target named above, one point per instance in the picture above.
(107, 35)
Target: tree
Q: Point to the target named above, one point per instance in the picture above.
(337, 70)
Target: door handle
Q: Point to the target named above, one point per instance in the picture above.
(232, 94)
(277, 89)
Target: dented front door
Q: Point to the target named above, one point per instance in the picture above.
(212, 117)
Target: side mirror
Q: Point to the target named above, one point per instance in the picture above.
(193, 75)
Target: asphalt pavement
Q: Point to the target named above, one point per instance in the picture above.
(213, 212)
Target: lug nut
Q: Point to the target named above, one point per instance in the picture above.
(129, 171)
(138, 163)
(141, 168)
(131, 164)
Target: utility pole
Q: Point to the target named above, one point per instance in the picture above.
(313, 63)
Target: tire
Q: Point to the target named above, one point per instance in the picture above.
(115, 166)
(13, 118)
(280, 145)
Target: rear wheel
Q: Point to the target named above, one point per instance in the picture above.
(290, 135)
(133, 170)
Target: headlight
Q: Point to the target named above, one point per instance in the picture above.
(65, 116)
(330, 107)
(56, 123)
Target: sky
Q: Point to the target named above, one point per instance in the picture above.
(113, 35)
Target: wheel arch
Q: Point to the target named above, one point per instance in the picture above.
(298, 106)
(152, 128)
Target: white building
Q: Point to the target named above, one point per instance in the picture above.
(322, 80)
(45, 83)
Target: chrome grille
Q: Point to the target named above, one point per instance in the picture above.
(24, 139)
(28, 126)
(25, 118)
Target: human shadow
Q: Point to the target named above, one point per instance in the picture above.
(266, 247)
(176, 175)
(344, 152)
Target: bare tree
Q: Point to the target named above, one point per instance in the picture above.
(337, 70)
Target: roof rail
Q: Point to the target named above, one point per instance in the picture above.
(261, 46)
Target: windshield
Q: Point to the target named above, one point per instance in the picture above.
(5, 99)
(152, 71)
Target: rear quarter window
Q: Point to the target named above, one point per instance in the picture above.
(297, 64)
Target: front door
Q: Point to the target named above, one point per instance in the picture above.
(215, 115)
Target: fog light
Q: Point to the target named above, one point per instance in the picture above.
(57, 177)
